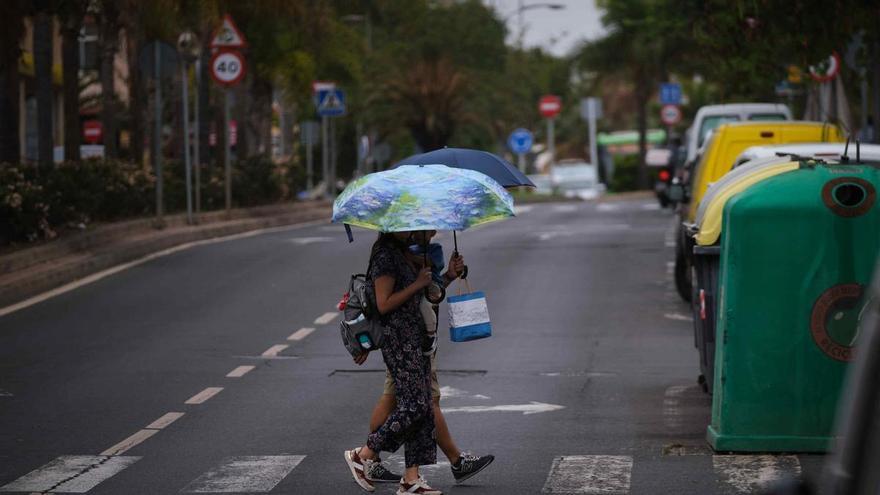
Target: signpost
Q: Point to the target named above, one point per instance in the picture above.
(550, 106)
(520, 142)
(329, 102)
(309, 135)
(228, 69)
(591, 109)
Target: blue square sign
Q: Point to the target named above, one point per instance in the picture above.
(670, 94)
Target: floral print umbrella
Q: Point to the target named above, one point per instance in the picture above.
(418, 197)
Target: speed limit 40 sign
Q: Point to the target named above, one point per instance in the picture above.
(227, 67)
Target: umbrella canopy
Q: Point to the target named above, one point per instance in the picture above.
(413, 197)
(484, 162)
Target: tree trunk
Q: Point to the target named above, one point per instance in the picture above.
(136, 94)
(70, 68)
(642, 96)
(43, 80)
(109, 39)
(10, 51)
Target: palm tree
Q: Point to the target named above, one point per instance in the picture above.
(43, 79)
(10, 51)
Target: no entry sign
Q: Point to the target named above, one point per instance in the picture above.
(92, 131)
(550, 106)
(227, 68)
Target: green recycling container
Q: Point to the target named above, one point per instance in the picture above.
(797, 253)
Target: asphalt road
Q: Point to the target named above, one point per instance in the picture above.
(592, 357)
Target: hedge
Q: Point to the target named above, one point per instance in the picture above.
(36, 204)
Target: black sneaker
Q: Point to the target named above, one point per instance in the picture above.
(378, 473)
(469, 465)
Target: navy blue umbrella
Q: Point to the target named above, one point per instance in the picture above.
(481, 161)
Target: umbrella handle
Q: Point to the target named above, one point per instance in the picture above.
(464, 272)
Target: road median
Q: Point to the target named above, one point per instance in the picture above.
(27, 272)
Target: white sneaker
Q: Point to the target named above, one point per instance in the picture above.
(419, 486)
(357, 470)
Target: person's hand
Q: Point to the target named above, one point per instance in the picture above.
(361, 358)
(423, 279)
(456, 266)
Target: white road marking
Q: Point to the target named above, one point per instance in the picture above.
(651, 206)
(590, 474)
(248, 474)
(753, 473)
(301, 333)
(4, 393)
(130, 442)
(240, 371)
(274, 350)
(678, 317)
(519, 210)
(326, 318)
(164, 421)
(672, 406)
(304, 241)
(447, 392)
(204, 395)
(82, 472)
(565, 208)
(125, 266)
(526, 409)
(607, 207)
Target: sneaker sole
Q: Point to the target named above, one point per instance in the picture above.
(357, 479)
(471, 475)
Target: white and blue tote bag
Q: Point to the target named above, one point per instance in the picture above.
(469, 316)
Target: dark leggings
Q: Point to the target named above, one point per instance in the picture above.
(412, 423)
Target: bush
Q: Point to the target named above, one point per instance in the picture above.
(33, 207)
(626, 172)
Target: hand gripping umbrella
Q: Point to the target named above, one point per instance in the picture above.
(416, 197)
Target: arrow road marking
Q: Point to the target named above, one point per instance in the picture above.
(447, 392)
(533, 408)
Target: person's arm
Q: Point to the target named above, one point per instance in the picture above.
(387, 300)
(456, 266)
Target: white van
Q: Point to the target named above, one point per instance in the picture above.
(576, 179)
(710, 117)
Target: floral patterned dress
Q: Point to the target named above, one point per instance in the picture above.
(412, 423)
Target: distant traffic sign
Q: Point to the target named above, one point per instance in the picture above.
(228, 35)
(227, 68)
(550, 106)
(331, 102)
(670, 114)
(520, 141)
(670, 94)
(93, 131)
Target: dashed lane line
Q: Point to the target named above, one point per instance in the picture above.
(245, 474)
(326, 318)
(274, 351)
(130, 442)
(165, 420)
(240, 371)
(204, 395)
(590, 474)
(678, 317)
(301, 333)
(71, 474)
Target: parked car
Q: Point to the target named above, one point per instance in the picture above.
(829, 152)
(719, 154)
(710, 117)
(576, 179)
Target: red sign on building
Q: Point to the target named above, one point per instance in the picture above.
(550, 106)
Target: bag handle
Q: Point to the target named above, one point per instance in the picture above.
(464, 281)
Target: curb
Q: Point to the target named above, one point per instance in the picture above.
(88, 253)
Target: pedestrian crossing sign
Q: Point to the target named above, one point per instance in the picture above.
(331, 102)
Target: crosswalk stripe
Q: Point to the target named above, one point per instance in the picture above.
(71, 474)
(753, 473)
(130, 442)
(590, 474)
(326, 318)
(301, 333)
(204, 395)
(250, 474)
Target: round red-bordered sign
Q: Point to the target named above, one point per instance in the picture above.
(827, 71)
(228, 67)
(670, 114)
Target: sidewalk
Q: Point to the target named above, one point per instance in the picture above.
(30, 271)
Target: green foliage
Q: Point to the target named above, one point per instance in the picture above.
(35, 207)
(625, 176)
